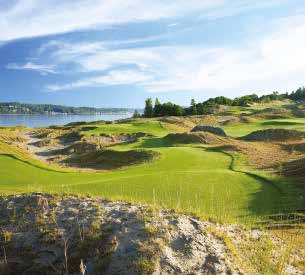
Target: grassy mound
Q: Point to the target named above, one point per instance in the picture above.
(296, 169)
(152, 127)
(124, 137)
(77, 123)
(190, 138)
(107, 140)
(46, 133)
(71, 136)
(88, 128)
(11, 138)
(46, 142)
(233, 121)
(270, 135)
(183, 122)
(272, 113)
(11, 134)
(297, 147)
(108, 159)
(79, 147)
(214, 130)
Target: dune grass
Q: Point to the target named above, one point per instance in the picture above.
(193, 180)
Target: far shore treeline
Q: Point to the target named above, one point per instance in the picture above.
(24, 108)
(169, 109)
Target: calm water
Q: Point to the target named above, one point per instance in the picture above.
(47, 120)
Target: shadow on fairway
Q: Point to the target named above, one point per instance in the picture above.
(278, 196)
(281, 123)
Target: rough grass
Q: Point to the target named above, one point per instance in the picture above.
(192, 138)
(270, 135)
(183, 138)
(11, 134)
(296, 169)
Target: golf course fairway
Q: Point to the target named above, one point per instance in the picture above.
(189, 179)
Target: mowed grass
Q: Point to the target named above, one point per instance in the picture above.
(145, 126)
(193, 180)
(242, 129)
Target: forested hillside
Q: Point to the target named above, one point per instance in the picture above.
(20, 108)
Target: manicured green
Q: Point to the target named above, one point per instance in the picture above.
(185, 178)
(146, 126)
(242, 129)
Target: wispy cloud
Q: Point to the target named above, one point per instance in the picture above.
(36, 17)
(173, 25)
(275, 61)
(234, 8)
(22, 19)
(42, 69)
(152, 67)
(119, 77)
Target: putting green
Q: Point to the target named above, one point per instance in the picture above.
(242, 129)
(150, 127)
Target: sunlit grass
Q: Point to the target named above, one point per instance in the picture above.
(187, 178)
(146, 126)
(191, 180)
(242, 129)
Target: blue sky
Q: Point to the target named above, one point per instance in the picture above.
(119, 52)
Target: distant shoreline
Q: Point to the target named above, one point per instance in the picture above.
(67, 114)
(16, 108)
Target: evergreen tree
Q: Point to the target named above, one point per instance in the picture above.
(193, 107)
(148, 111)
(157, 108)
(299, 94)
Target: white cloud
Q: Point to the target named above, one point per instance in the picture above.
(158, 64)
(172, 25)
(42, 69)
(274, 62)
(233, 8)
(119, 77)
(29, 18)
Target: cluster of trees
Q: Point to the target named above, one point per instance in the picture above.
(157, 109)
(20, 108)
(299, 94)
(169, 109)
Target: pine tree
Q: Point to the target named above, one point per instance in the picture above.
(148, 111)
(193, 107)
(157, 108)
